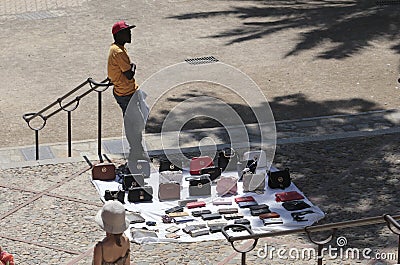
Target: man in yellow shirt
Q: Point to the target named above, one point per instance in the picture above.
(121, 72)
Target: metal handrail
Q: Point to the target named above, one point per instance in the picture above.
(28, 117)
(389, 220)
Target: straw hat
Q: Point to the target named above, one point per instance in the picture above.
(111, 218)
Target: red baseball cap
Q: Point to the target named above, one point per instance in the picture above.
(120, 25)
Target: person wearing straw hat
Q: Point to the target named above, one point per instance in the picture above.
(114, 249)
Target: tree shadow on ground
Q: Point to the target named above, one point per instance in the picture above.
(295, 106)
(349, 26)
(349, 179)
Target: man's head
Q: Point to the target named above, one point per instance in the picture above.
(122, 32)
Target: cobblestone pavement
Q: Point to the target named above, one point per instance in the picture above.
(47, 211)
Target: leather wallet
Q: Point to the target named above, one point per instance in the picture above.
(257, 212)
(222, 201)
(228, 210)
(244, 199)
(172, 229)
(288, 196)
(217, 223)
(247, 204)
(178, 214)
(134, 218)
(211, 216)
(197, 204)
(172, 235)
(184, 202)
(272, 221)
(215, 229)
(233, 216)
(190, 228)
(269, 215)
(241, 222)
(183, 219)
(174, 209)
(200, 232)
(200, 213)
(295, 205)
(259, 206)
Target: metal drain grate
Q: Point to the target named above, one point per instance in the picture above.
(37, 15)
(387, 2)
(202, 60)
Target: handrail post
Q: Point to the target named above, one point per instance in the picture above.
(69, 135)
(321, 243)
(37, 144)
(99, 125)
(391, 222)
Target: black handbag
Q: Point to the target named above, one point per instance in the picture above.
(227, 159)
(132, 181)
(140, 167)
(140, 194)
(110, 195)
(279, 179)
(246, 166)
(214, 172)
(200, 185)
(166, 165)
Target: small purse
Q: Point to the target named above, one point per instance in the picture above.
(198, 163)
(140, 194)
(110, 195)
(170, 176)
(253, 182)
(166, 165)
(279, 179)
(169, 191)
(200, 186)
(140, 167)
(246, 166)
(227, 159)
(214, 172)
(132, 181)
(260, 156)
(227, 185)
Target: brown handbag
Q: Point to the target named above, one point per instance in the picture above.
(103, 170)
(169, 191)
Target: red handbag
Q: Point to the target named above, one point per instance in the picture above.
(198, 163)
(288, 196)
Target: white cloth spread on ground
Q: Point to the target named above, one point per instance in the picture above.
(153, 211)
